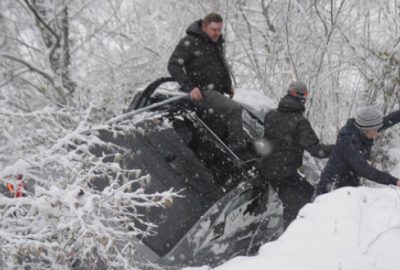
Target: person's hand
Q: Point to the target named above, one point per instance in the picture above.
(231, 92)
(398, 183)
(195, 94)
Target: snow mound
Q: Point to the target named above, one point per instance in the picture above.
(350, 228)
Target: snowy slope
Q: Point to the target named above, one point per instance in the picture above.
(350, 228)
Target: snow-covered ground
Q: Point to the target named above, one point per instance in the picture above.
(350, 228)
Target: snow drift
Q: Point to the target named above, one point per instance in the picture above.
(350, 228)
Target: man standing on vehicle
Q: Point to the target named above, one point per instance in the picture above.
(349, 159)
(289, 134)
(198, 64)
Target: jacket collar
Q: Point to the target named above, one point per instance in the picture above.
(291, 104)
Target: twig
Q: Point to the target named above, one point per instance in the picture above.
(31, 67)
(40, 19)
(379, 236)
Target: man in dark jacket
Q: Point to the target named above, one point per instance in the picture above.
(198, 65)
(289, 133)
(349, 159)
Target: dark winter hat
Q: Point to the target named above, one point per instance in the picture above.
(298, 89)
(369, 118)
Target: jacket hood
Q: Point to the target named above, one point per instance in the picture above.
(291, 104)
(195, 30)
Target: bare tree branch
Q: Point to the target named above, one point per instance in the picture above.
(40, 19)
(293, 64)
(44, 74)
(30, 67)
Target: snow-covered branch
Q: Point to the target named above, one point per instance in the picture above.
(65, 221)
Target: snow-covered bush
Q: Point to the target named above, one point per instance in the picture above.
(64, 222)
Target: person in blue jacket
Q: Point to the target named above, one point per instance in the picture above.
(349, 159)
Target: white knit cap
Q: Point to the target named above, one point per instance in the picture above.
(369, 118)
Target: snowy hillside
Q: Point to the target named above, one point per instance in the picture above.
(350, 228)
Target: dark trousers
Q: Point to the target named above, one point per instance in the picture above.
(224, 116)
(294, 191)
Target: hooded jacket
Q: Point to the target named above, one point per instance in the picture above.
(197, 61)
(349, 159)
(289, 134)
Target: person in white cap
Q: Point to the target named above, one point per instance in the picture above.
(349, 159)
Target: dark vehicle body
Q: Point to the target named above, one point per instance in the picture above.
(212, 221)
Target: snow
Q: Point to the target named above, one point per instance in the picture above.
(18, 167)
(254, 98)
(394, 154)
(350, 228)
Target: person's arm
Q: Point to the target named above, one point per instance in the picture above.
(320, 150)
(353, 155)
(310, 142)
(390, 120)
(182, 55)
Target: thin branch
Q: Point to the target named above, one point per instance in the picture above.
(326, 45)
(152, 51)
(13, 77)
(97, 30)
(288, 42)
(249, 29)
(265, 12)
(42, 73)
(40, 19)
(31, 67)
(320, 17)
(376, 239)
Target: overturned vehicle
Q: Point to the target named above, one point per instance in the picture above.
(221, 213)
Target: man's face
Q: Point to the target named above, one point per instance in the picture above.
(370, 134)
(213, 30)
